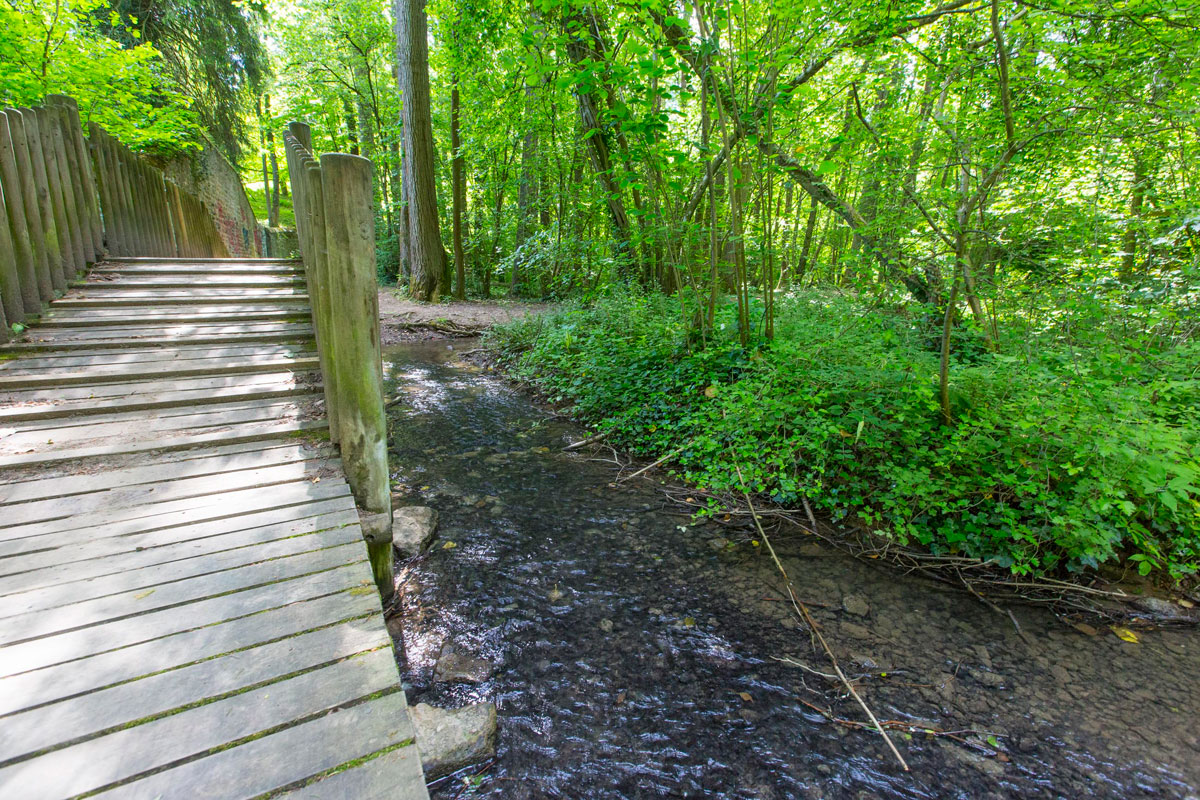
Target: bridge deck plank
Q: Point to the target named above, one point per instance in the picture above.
(184, 590)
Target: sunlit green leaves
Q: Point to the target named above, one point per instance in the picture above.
(124, 89)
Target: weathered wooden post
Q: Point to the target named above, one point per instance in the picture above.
(10, 279)
(14, 220)
(69, 170)
(124, 233)
(104, 188)
(154, 193)
(164, 192)
(42, 250)
(133, 203)
(87, 175)
(303, 133)
(296, 178)
(203, 232)
(57, 122)
(191, 221)
(41, 182)
(178, 221)
(77, 170)
(216, 245)
(203, 223)
(146, 190)
(350, 247)
(164, 212)
(66, 236)
(319, 294)
(141, 205)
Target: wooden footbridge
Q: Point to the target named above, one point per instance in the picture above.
(189, 585)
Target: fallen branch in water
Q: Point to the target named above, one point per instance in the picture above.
(599, 437)
(649, 467)
(907, 727)
(802, 611)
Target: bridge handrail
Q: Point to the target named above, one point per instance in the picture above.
(67, 200)
(335, 226)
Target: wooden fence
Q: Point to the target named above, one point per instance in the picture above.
(335, 224)
(67, 199)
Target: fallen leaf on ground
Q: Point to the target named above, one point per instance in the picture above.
(449, 546)
(746, 696)
(1125, 635)
(1083, 627)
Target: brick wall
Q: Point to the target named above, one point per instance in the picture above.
(210, 177)
(279, 242)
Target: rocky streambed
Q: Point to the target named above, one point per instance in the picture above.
(632, 653)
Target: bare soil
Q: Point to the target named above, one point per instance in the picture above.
(402, 319)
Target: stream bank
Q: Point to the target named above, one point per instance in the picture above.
(636, 654)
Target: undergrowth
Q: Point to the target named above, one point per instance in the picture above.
(1070, 447)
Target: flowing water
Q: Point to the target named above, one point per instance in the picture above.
(637, 654)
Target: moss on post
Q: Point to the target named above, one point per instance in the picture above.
(21, 262)
(77, 183)
(41, 184)
(319, 293)
(29, 197)
(66, 241)
(67, 180)
(362, 425)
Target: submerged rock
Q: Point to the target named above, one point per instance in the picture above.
(455, 667)
(412, 529)
(989, 679)
(449, 739)
(856, 604)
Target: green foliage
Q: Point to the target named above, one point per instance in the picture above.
(1082, 450)
(211, 51)
(261, 204)
(65, 49)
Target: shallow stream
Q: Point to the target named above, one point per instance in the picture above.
(637, 654)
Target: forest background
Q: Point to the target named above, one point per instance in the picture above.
(930, 270)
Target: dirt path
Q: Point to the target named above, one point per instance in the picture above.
(402, 319)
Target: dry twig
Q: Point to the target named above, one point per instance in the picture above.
(802, 611)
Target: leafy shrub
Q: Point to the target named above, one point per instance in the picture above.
(1059, 458)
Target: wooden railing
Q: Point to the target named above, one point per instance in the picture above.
(335, 224)
(67, 200)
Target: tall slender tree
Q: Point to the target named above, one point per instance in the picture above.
(427, 256)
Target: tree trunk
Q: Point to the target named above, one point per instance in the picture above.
(400, 219)
(1137, 197)
(273, 212)
(351, 126)
(526, 189)
(426, 255)
(582, 47)
(460, 195)
(809, 227)
(366, 126)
